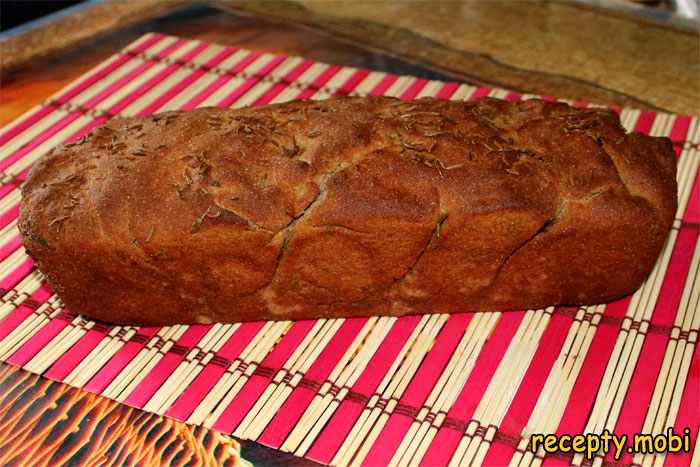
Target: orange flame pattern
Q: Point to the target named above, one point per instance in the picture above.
(49, 424)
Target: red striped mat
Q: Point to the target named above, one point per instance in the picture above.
(463, 388)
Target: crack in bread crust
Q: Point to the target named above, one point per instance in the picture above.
(435, 234)
(531, 239)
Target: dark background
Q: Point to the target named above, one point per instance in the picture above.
(14, 12)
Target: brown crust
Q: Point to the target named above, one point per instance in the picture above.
(349, 207)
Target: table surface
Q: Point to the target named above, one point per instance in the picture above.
(571, 50)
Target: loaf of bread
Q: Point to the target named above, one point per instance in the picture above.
(348, 207)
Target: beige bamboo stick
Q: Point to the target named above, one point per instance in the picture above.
(193, 366)
(397, 386)
(364, 424)
(370, 413)
(553, 399)
(499, 407)
(256, 423)
(102, 353)
(237, 374)
(400, 86)
(483, 326)
(490, 408)
(166, 392)
(217, 399)
(324, 403)
(22, 334)
(441, 392)
(484, 410)
(320, 331)
(463, 93)
(26, 287)
(135, 366)
(57, 346)
(353, 361)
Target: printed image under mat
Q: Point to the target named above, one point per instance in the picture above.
(466, 388)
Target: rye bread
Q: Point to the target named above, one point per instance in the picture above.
(348, 207)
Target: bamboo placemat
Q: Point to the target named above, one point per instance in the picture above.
(466, 388)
